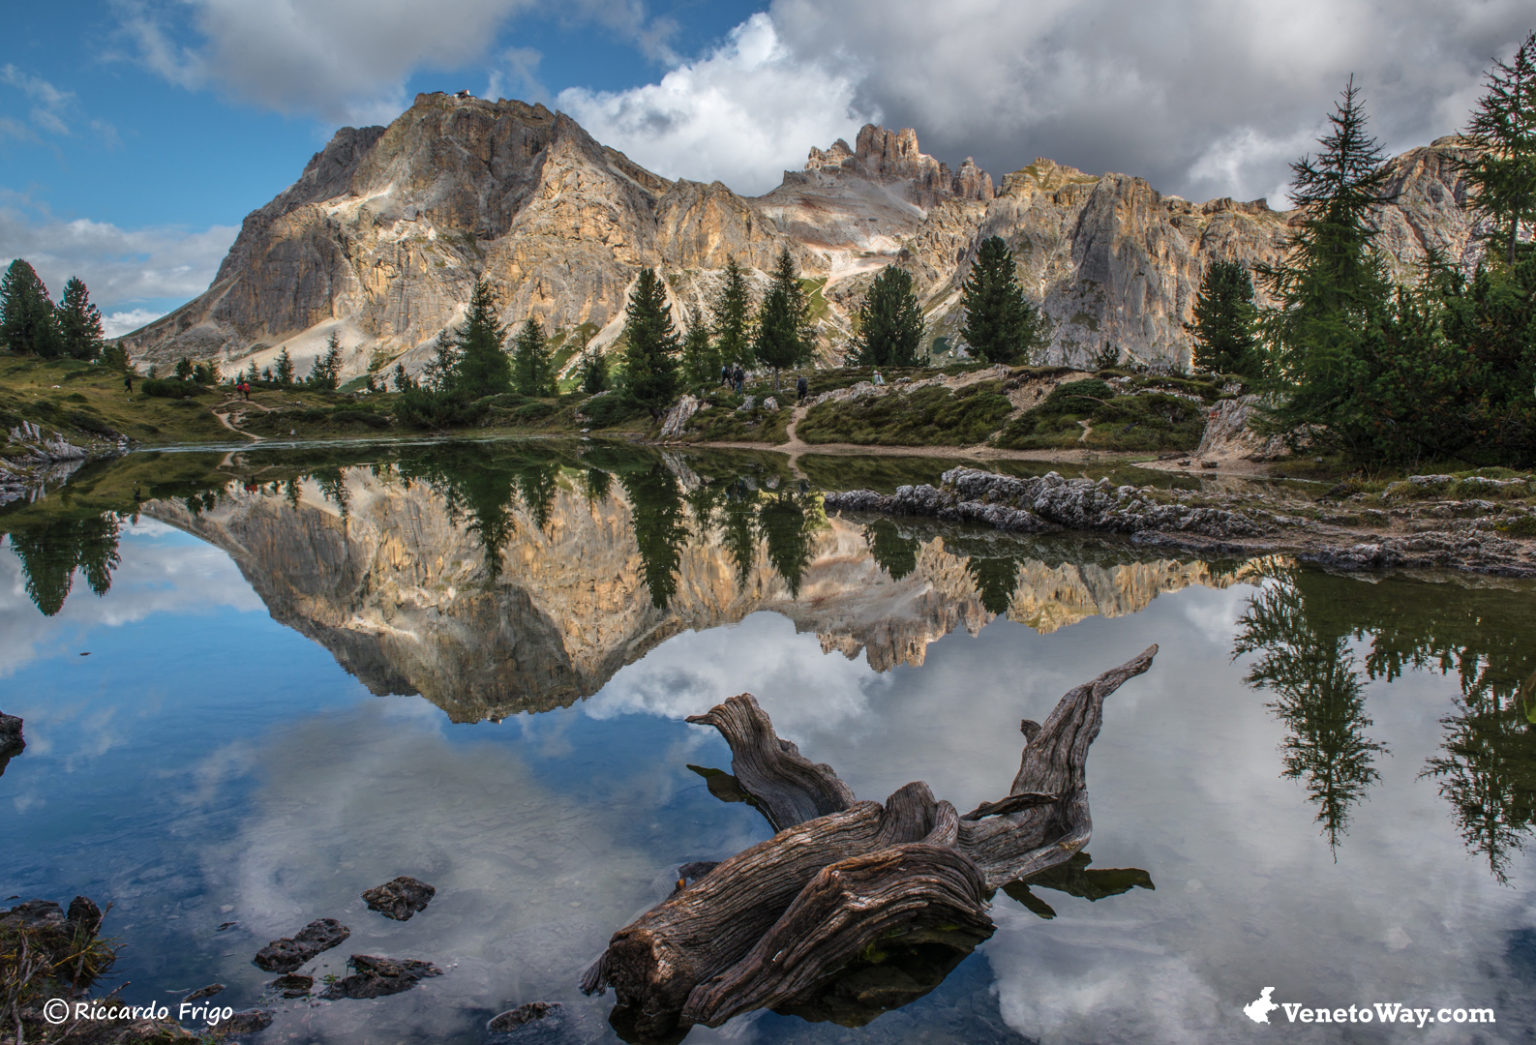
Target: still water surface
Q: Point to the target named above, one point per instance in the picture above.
(305, 677)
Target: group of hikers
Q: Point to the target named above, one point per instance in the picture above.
(733, 377)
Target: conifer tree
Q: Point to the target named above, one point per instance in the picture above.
(701, 363)
(482, 367)
(731, 317)
(78, 322)
(438, 372)
(1502, 174)
(784, 335)
(1223, 330)
(1001, 325)
(650, 369)
(1331, 290)
(284, 371)
(26, 313)
(593, 374)
(326, 371)
(890, 322)
(533, 373)
(402, 380)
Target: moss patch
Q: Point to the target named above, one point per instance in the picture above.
(932, 416)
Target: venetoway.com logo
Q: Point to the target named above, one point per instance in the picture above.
(1260, 1008)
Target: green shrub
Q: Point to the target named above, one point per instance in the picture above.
(613, 408)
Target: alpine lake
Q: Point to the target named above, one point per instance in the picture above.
(258, 681)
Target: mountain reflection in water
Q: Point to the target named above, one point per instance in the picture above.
(499, 579)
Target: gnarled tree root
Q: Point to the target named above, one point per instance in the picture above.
(774, 924)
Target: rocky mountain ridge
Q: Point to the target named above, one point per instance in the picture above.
(382, 236)
(397, 588)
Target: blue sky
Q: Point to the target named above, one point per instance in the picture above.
(136, 134)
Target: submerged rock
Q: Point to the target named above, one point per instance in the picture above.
(400, 897)
(290, 952)
(375, 977)
(293, 985)
(532, 1011)
(205, 992)
(247, 1021)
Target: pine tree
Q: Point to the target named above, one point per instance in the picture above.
(890, 322)
(438, 372)
(593, 374)
(284, 368)
(650, 370)
(327, 368)
(1001, 325)
(784, 335)
(184, 369)
(482, 367)
(78, 322)
(731, 317)
(402, 380)
(533, 373)
(701, 363)
(26, 313)
(1502, 175)
(1331, 290)
(1223, 329)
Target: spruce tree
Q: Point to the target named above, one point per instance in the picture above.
(890, 322)
(731, 317)
(533, 373)
(1223, 330)
(650, 370)
(1502, 173)
(482, 367)
(327, 369)
(593, 374)
(78, 322)
(26, 313)
(784, 335)
(1331, 290)
(436, 375)
(1001, 325)
(701, 363)
(284, 371)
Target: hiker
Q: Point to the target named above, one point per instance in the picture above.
(725, 373)
(878, 380)
(802, 386)
(128, 382)
(740, 378)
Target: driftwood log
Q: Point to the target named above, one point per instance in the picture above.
(777, 924)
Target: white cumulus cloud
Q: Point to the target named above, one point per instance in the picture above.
(742, 114)
(122, 268)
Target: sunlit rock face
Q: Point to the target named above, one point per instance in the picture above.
(383, 235)
(398, 586)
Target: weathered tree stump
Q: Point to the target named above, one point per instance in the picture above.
(776, 924)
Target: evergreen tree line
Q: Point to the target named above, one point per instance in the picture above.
(1443, 368)
(32, 325)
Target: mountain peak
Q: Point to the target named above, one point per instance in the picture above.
(885, 155)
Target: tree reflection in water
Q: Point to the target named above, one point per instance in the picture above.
(50, 550)
(1305, 660)
(1302, 624)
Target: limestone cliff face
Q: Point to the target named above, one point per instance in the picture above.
(397, 588)
(383, 235)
